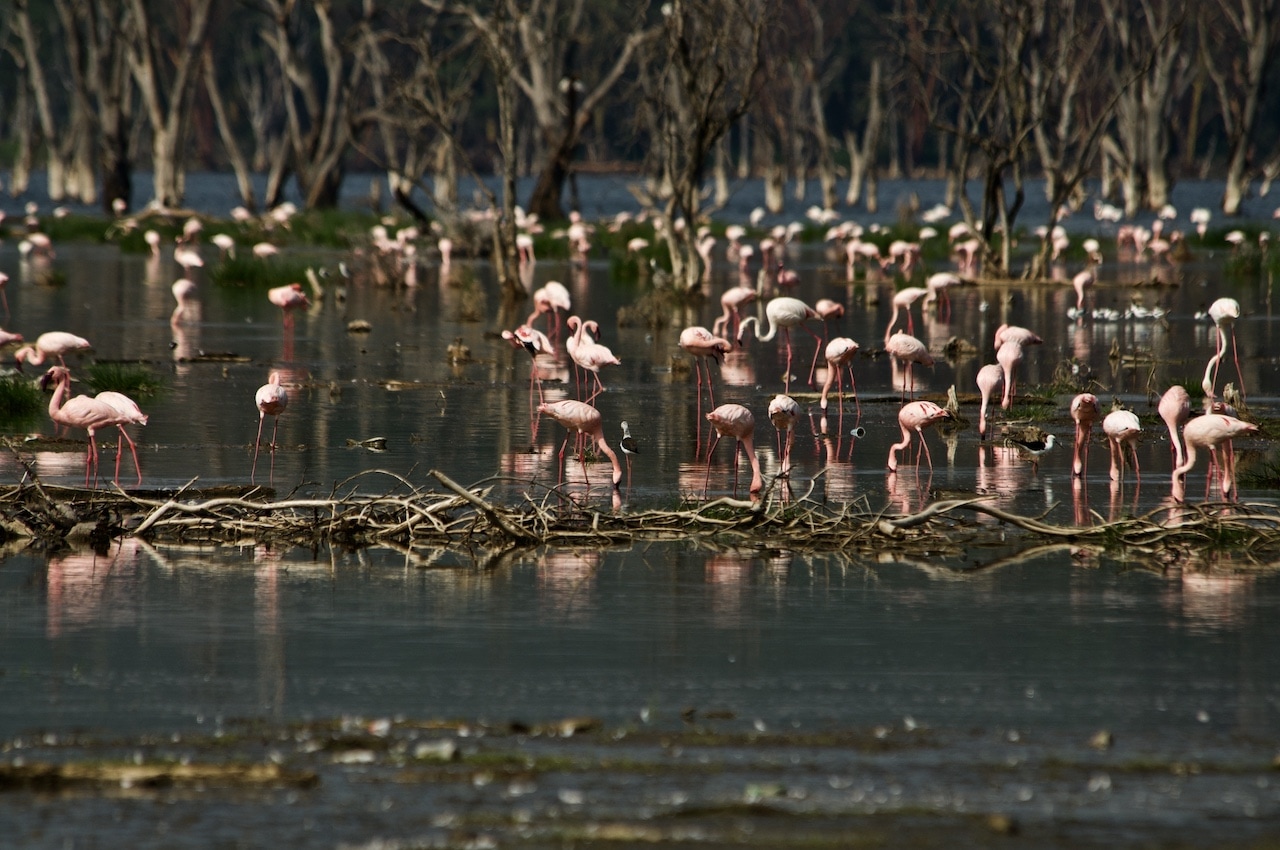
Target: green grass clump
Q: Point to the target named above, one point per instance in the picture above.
(21, 401)
(128, 378)
(249, 271)
(330, 228)
(76, 228)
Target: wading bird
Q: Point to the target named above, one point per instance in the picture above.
(51, 344)
(127, 413)
(1212, 431)
(783, 313)
(734, 420)
(1175, 410)
(271, 400)
(1122, 429)
(581, 418)
(79, 412)
(990, 377)
(913, 418)
(783, 413)
(1085, 410)
(288, 298)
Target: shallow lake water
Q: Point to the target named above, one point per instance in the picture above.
(974, 682)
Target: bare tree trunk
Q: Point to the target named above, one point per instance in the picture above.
(775, 186)
(20, 172)
(244, 178)
(745, 151)
(862, 156)
(720, 172)
(169, 111)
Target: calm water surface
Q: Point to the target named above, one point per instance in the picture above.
(1007, 662)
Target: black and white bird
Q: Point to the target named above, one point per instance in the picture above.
(1033, 448)
(629, 447)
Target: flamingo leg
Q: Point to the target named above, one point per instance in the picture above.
(257, 444)
(1235, 355)
(133, 450)
(706, 484)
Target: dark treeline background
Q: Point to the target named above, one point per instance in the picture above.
(689, 94)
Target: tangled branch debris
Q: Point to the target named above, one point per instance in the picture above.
(467, 517)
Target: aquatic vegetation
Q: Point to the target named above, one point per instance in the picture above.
(251, 272)
(21, 401)
(128, 378)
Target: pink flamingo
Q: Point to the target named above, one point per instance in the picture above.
(1085, 410)
(910, 351)
(938, 284)
(288, 298)
(581, 418)
(1212, 431)
(184, 292)
(589, 354)
(732, 301)
(785, 313)
(51, 344)
(826, 310)
(840, 353)
(783, 413)
(913, 418)
(7, 338)
(704, 344)
(127, 412)
(1083, 280)
(1224, 313)
(989, 380)
(1014, 333)
(1122, 429)
(1175, 410)
(734, 420)
(271, 400)
(535, 342)
(79, 412)
(902, 300)
(551, 298)
(1009, 356)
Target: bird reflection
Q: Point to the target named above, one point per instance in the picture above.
(566, 581)
(83, 587)
(728, 576)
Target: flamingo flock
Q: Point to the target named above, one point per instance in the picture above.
(748, 307)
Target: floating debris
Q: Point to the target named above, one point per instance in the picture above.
(359, 326)
(373, 444)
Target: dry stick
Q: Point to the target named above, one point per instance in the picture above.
(484, 507)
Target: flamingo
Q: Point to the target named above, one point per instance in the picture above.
(1084, 411)
(187, 257)
(1210, 432)
(1224, 313)
(79, 412)
(1009, 356)
(989, 380)
(914, 417)
(783, 413)
(184, 292)
(786, 313)
(1175, 410)
(732, 301)
(902, 300)
(535, 342)
(7, 338)
(704, 344)
(51, 344)
(127, 412)
(1082, 281)
(581, 418)
(1014, 333)
(226, 245)
(550, 298)
(826, 310)
(271, 400)
(4, 297)
(734, 420)
(938, 284)
(589, 354)
(910, 351)
(840, 353)
(1122, 429)
(288, 298)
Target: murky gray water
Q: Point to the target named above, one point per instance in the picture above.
(995, 670)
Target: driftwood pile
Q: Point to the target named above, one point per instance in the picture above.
(466, 518)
